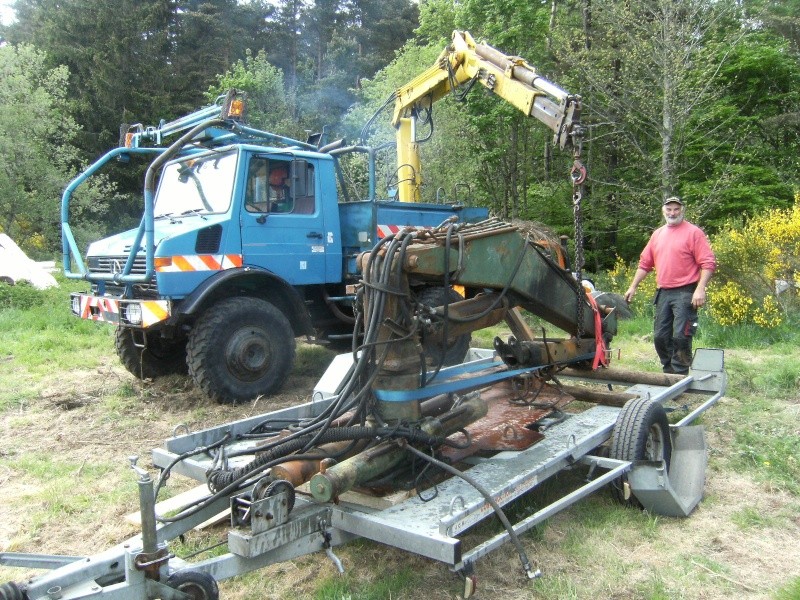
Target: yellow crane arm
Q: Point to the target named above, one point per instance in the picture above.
(510, 77)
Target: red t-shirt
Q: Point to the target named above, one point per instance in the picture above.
(677, 253)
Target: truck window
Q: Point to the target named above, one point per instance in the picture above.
(196, 186)
(279, 186)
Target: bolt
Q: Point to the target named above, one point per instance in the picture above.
(55, 592)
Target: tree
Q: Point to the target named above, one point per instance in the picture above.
(118, 74)
(37, 154)
(749, 162)
(650, 75)
(155, 64)
(267, 105)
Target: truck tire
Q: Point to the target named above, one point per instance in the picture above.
(159, 358)
(640, 433)
(457, 348)
(239, 349)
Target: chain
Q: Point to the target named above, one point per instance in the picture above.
(578, 176)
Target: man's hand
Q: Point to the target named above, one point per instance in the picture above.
(629, 294)
(699, 297)
(637, 279)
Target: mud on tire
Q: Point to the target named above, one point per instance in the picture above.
(239, 349)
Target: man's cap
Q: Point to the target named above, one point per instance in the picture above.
(673, 199)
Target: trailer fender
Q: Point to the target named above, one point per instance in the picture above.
(675, 493)
(248, 281)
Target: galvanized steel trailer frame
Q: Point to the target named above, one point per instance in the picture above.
(138, 568)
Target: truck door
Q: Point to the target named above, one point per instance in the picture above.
(282, 221)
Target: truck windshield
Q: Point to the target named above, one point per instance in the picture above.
(196, 186)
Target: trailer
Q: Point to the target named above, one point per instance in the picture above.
(609, 423)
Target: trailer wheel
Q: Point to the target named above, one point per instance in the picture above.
(457, 347)
(197, 585)
(239, 349)
(157, 359)
(640, 433)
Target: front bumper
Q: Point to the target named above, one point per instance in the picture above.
(128, 313)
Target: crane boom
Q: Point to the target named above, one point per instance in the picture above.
(509, 77)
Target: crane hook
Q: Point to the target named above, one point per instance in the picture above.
(578, 173)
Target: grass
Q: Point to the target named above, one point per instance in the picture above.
(60, 386)
(39, 334)
(384, 586)
(790, 592)
(764, 384)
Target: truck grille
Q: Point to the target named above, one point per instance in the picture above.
(115, 264)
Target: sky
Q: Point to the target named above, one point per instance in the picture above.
(6, 14)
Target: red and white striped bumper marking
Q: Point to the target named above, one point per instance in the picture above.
(202, 262)
(107, 310)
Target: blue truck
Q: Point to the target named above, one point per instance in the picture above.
(229, 265)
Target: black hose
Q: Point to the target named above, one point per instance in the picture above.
(523, 557)
(221, 478)
(11, 591)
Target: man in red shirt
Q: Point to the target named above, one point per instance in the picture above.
(684, 262)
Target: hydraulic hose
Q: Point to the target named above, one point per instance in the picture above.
(221, 478)
(523, 557)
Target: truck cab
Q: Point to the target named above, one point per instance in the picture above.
(244, 245)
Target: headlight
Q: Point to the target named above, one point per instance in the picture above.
(76, 305)
(132, 313)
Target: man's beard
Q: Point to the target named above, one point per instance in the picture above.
(674, 220)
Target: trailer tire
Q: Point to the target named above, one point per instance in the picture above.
(195, 584)
(159, 358)
(640, 433)
(457, 348)
(239, 349)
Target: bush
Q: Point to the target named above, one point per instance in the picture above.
(619, 278)
(758, 261)
(21, 296)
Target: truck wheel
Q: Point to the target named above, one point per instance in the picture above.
(640, 433)
(457, 347)
(160, 357)
(239, 349)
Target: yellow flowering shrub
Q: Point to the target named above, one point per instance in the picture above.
(758, 266)
(620, 277)
(768, 315)
(730, 304)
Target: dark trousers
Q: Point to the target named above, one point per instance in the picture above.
(675, 324)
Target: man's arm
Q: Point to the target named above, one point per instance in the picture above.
(699, 296)
(637, 279)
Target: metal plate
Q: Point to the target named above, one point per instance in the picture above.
(510, 425)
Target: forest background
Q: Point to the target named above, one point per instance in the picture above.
(699, 98)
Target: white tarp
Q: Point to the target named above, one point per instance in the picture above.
(16, 266)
